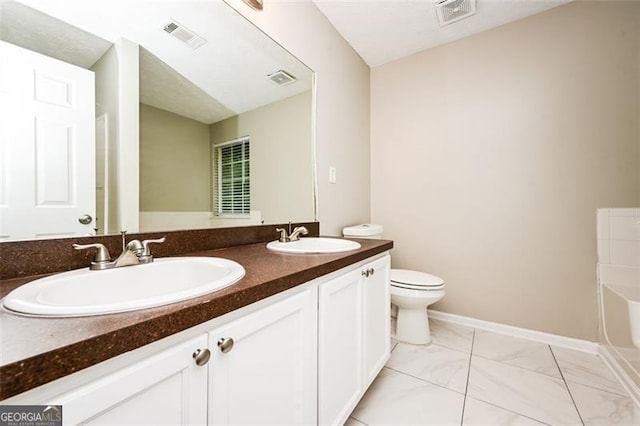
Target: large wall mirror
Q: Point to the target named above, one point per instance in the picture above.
(148, 115)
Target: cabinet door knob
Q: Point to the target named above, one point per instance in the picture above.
(365, 273)
(372, 271)
(225, 344)
(201, 356)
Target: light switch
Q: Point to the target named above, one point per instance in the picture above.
(332, 174)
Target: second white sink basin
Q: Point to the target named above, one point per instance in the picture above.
(314, 245)
(83, 292)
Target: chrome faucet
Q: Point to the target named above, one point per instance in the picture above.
(294, 236)
(133, 253)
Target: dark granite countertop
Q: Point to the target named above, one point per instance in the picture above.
(35, 351)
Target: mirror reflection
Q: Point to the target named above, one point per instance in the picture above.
(147, 116)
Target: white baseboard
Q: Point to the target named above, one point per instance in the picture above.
(620, 374)
(538, 336)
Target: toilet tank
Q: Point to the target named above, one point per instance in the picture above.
(366, 230)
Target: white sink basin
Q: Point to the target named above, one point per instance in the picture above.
(314, 245)
(84, 292)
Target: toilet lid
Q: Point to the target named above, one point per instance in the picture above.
(414, 279)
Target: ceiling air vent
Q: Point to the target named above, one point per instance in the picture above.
(450, 11)
(281, 78)
(184, 34)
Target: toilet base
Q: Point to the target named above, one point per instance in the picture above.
(412, 326)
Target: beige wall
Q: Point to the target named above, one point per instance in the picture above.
(175, 162)
(491, 154)
(281, 157)
(342, 106)
(175, 170)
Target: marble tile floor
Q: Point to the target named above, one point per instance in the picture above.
(469, 376)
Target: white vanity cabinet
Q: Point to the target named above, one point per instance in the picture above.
(166, 388)
(353, 337)
(263, 365)
(304, 356)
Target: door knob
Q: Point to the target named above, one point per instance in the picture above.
(201, 356)
(225, 344)
(85, 219)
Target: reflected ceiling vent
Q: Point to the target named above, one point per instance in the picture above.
(450, 11)
(281, 78)
(184, 34)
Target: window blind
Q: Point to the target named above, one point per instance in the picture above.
(233, 177)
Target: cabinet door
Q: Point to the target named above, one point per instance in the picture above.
(167, 388)
(268, 375)
(376, 318)
(339, 347)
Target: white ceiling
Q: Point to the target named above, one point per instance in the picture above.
(383, 31)
(224, 77)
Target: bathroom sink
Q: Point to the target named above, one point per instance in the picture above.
(84, 292)
(314, 245)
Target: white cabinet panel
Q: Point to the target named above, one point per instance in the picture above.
(268, 376)
(340, 346)
(167, 388)
(377, 305)
(353, 337)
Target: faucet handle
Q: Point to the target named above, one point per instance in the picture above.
(283, 235)
(145, 245)
(301, 229)
(102, 255)
(295, 235)
(135, 246)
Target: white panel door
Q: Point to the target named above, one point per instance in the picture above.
(268, 376)
(47, 144)
(340, 352)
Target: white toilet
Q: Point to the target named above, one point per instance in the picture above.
(411, 293)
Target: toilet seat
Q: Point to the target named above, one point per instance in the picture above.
(414, 280)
